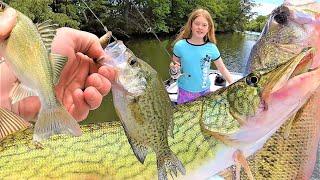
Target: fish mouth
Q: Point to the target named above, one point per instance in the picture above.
(298, 65)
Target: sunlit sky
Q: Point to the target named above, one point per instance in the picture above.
(264, 7)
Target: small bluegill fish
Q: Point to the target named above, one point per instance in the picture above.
(27, 52)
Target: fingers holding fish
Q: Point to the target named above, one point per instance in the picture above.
(79, 109)
(29, 108)
(92, 97)
(80, 41)
(107, 72)
(99, 82)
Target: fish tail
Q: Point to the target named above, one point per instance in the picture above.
(168, 161)
(55, 121)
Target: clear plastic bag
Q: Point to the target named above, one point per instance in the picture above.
(117, 51)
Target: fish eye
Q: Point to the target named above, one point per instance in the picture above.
(281, 15)
(252, 79)
(132, 61)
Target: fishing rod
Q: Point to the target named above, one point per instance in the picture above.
(104, 27)
(150, 29)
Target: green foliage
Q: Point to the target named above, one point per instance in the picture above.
(41, 10)
(128, 17)
(256, 24)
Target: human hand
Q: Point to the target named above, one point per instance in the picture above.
(82, 83)
(7, 21)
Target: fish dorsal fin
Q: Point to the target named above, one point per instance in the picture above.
(11, 123)
(19, 92)
(58, 61)
(47, 31)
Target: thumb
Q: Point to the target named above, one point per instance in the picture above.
(7, 22)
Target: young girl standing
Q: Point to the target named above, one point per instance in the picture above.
(194, 49)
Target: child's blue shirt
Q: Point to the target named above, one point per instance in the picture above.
(195, 64)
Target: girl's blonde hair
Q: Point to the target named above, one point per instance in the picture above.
(185, 32)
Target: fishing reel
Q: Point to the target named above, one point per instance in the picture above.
(220, 81)
(175, 72)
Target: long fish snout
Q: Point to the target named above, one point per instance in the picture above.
(281, 75)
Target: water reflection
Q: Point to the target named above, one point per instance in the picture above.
(234, 48)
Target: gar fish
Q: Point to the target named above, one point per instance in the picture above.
(144, 109)
(27, 52)
(291, 152)
(103, 150)
(245, 114)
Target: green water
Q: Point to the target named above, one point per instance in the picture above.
(234, 48)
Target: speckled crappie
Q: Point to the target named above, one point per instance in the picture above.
(144, 109)
(27, 52)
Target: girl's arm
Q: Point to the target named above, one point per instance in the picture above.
(223, 70)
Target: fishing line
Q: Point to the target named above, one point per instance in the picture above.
(150, 29)
(104, 27)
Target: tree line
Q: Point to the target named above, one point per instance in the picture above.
(135, 17)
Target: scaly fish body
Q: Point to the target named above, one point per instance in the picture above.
(291, 152)
(32, 67)
(283, 37)
(145, 111)
(103, 151)
(293, 157)
(242, 116)
(27, 55)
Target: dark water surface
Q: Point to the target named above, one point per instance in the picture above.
(234, 48)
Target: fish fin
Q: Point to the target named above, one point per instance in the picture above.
(139, 150)
(58, 61)
(19, 92)
(11, 123)
(47, 31)
(225, 139)
(55, 121)
(240, 118)
(170, 162)
(240, 160)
